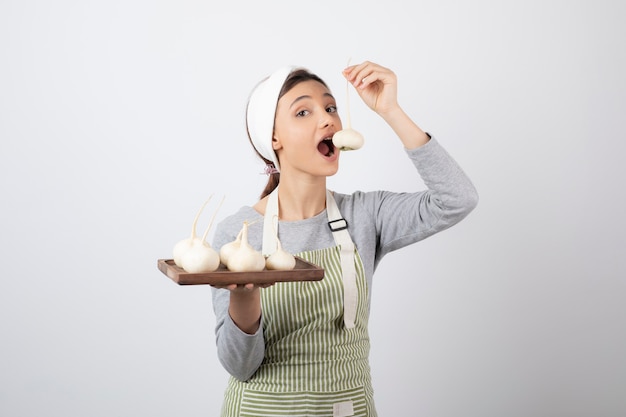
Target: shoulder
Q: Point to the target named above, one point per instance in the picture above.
(359, 199)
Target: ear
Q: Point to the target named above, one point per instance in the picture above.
(276, 145)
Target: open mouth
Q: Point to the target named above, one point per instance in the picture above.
(326, 147)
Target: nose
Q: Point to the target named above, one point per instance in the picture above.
(326, 120)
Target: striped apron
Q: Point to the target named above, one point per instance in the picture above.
(316, 363)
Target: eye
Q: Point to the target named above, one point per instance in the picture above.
(302, 113)
(331, 109)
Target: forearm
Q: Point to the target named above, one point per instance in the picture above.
(409, 133)
(245, 309)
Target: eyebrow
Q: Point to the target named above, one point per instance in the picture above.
(309, 97)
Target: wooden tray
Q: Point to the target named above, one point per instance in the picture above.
(303, 271)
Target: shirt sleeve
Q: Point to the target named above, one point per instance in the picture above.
(450, 196)
(239, 353)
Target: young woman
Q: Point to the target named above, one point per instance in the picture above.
(302, 348)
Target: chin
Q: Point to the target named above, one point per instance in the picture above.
(331, 171)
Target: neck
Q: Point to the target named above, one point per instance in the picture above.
(301, 200)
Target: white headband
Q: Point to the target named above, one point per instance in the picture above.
(261, 112)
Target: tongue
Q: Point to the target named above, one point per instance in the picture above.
(323, 148)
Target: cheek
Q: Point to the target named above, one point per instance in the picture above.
(286, 137)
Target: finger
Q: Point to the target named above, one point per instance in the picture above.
(355, 72)
(367, 75)
(384, 76)
(367, 80)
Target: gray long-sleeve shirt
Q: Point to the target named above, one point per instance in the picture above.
(379, 222)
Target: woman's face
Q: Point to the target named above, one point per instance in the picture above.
(306, 119)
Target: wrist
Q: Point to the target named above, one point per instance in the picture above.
(391, 114)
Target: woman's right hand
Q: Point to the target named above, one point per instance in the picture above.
(242, 287)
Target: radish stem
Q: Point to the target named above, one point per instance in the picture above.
(348, 98)
(348, 139)
(206, 232)
(182, 246)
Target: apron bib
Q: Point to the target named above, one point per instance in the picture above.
(316, 362)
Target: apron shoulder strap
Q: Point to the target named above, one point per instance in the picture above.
(270, 224)
(339, 226)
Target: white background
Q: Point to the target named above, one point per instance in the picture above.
(118, 118)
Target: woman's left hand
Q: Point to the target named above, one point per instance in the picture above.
(376, 85)
(378, 88)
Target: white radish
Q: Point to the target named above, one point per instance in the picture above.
(245, 258)
(280, 259)
(348, 139)
(184, 245)
(228, 248)
(201, 257)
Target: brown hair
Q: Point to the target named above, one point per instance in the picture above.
(296, 77)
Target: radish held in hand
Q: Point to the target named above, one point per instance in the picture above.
(201, 257)
(185, 244)
(348, 139)
(245, 258)
(280, 259)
